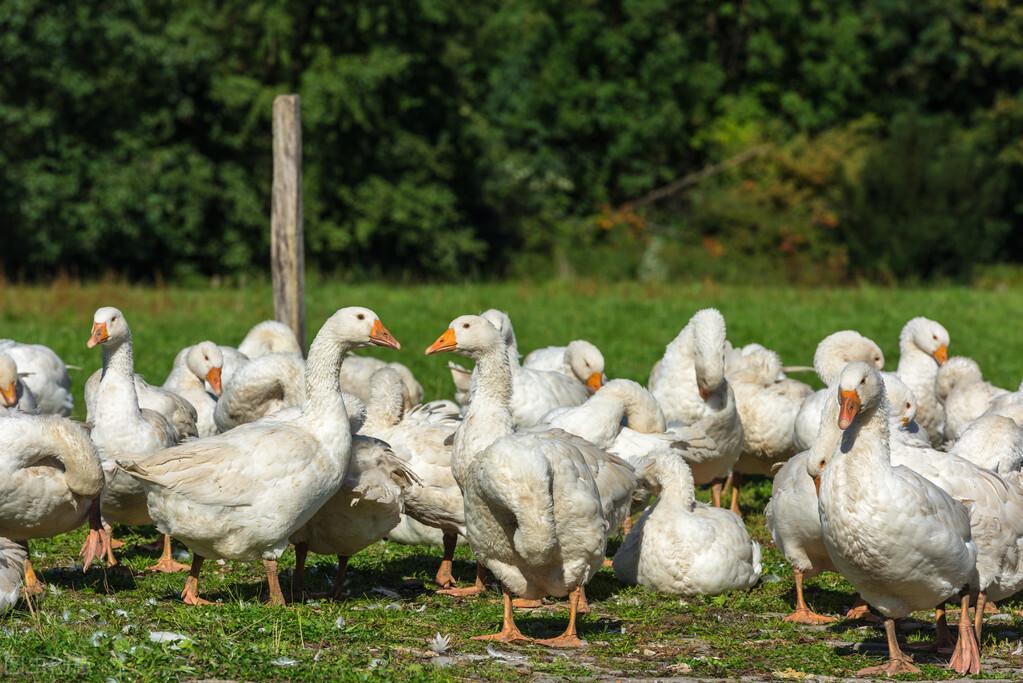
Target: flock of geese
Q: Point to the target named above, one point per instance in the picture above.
(906, 483)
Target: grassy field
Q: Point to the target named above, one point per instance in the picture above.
(97, 626)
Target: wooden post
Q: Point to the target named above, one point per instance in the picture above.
(287, 253)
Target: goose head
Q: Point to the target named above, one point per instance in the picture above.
(901, 401)
(206, 361)
(587, 363)
(8, 381)
(269, 336)
(359, 327)
(926, 335)
(108, 327)
(860, 390)
(837, 350)
(957, 371)
(709, 339)
(468, 335)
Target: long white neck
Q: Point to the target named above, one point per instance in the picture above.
(324, 406)
(489, 416)
(675, 480)
(117, 383)
(385, 408)
(866, 441)
(642, 412)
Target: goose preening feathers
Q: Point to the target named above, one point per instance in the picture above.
(44, 374)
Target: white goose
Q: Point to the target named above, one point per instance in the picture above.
(534, 392)
(13, 558)
(768, 403)
(44, 373)
(682, 547)
(903, 542)
(435, 510)
(368, 505)
(50, 483)
(689, 384)
(195, 367)
(534, 516)
(923, 348)
(269, 336)
(833, 353)
(260, 387)
(15, 396)
(122, 430)
(993, 442)
(961, 388)
(357, 374)
(242, 494)
(179, 413)
(580, 359)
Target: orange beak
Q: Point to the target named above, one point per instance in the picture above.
(99, 335)
(213, 377)
(850, 405)
(381, 336)
(817, 485)
(704, 393)
(941, 354)
(905, 422)
(595, 381)
(445, 342)
(9, 394)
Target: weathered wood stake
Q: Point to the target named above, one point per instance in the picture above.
(287, 253)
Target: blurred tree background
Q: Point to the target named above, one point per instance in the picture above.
(804, 141)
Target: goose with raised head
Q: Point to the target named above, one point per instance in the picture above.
(534, 516)
(178, 412)
(580, 359)
(240, 495)
(363, 511)
(13, 558)
(200, 365)
(15, 396)
(45, 375)
(690, 385)
(434, 508)
(534, 392)
(768, 403)
(903, 542)
(50, 483)
(833, 353)
(682, 547)
(923, 348)
(122, 430)
(961, 388)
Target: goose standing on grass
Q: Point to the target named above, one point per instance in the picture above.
(768, 403)
(682, 547)
(122, 430)
(50, 483)
(44, 373)
(534, 516)
(923, 348)
(200, 365)
(580, 359)
(833, 353)
(904, 543)
(15, 396)
(241, 495)
(13, 561)
(965, 395)
(689, 384)
(368, 505)
(435, 511)
(534, 392)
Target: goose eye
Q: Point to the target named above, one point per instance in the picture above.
(934, 337)
(361, 316)
(863, 381)
(465, 326)
(908, 406)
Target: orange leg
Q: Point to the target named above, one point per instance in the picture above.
(98, 543)
(339, 578)
(803, 614)
(861, 611)
(272, 580)
(475, 589)
(191, 592)
(966, 656)
(167, 564)
(509, 632)
(898, 661)
(445, 579)
(736, 485)
(32, 585)
(568, 639)
(715, 493)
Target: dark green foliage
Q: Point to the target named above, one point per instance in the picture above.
(450, 139)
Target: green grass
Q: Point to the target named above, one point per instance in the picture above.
(82, 630)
